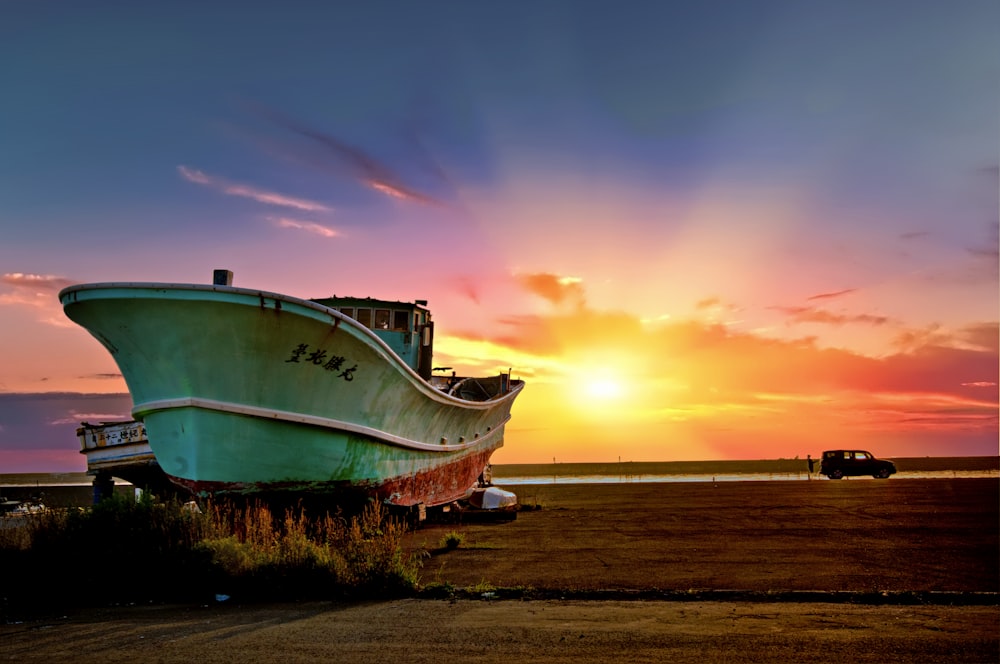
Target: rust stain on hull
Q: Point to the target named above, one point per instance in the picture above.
(437, 486)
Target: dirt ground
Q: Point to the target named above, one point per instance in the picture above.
(848, 535)
(902, 570)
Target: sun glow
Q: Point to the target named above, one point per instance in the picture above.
(601, 378)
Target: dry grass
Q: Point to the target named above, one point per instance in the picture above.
(122, 551)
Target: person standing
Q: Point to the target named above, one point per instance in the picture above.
(812, 465)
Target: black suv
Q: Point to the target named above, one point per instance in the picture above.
(839, 463)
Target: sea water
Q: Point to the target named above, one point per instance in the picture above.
(731, 477)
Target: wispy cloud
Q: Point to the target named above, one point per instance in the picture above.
(989, 249)
(352, 161)
(399, 192)
(830, 296)
(983, 336)
(816, 315)
(909, 339)
(715, 308)
(247, 191)
(468, 287)
(75, 417)
(303, 225)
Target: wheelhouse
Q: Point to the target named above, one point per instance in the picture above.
(406, 327)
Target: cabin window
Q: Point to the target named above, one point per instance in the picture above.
(347, 311)
(381, 319)
(416, 320)
(364, 317)
(399, 319)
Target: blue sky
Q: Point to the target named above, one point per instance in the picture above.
(695, 162)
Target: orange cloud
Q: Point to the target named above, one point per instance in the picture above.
(554, 288)
(707, 303)
(738, 392)
(985, 336)
(919, 337)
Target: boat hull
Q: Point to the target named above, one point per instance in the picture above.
(249, 392)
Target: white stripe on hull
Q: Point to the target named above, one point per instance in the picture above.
(141, 410)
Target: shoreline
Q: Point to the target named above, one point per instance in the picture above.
(63, 490)
(611, 468)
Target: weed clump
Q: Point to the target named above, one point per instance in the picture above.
(451, 540)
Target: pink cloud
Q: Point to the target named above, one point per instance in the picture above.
(468, 287)
(308, 226)
(246, 191)
(47, 283)
(399, 192)
(36, 290)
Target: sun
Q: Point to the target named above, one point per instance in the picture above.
(604, 389)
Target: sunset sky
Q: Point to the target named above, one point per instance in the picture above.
(698, 230)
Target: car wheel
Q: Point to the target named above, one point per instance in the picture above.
(883, 473)
(836, 474)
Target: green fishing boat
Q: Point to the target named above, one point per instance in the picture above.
(243, 391)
